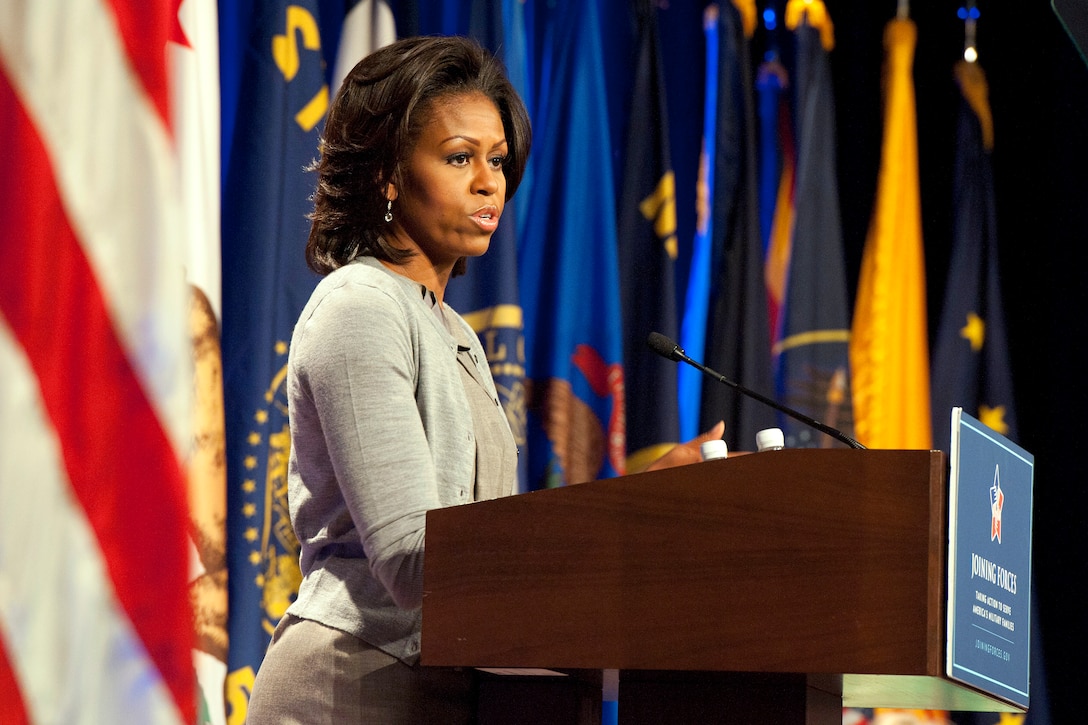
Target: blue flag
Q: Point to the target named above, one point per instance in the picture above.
(647, 254)
(738, 333)
(971, 367)
(567, 265)
(281, 101)
(811, 356)
(697, 294)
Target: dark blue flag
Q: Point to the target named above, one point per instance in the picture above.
(567, 264)
(970, 367)
(737, 333)
(647, 254)
(811, 355)
(970, 356)
(281, 101)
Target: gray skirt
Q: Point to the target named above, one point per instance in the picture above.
(315, 674)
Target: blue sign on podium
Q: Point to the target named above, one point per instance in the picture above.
(989, 560)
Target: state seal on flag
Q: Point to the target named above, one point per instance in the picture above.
(275, 551)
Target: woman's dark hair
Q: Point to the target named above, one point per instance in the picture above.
(376, 119)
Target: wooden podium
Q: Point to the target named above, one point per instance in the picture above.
(773, 587)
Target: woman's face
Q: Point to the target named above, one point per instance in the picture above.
(452, 190)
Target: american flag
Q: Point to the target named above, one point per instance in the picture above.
(95, 623)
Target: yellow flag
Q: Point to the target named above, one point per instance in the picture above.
(889, 350)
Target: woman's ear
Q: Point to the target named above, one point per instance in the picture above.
(391, 191)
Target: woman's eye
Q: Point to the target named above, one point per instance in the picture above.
(497, 161)
(459, 159)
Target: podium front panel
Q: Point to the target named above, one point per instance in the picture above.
(809, 561)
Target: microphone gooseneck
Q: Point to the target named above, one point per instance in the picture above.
(667, 348)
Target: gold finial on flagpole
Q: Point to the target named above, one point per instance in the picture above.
(814, 13)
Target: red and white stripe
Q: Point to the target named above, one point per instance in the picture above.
(94, 369)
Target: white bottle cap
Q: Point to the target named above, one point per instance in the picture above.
(770, 439)
(714, 449)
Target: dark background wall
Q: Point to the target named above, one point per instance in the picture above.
(1039, 97)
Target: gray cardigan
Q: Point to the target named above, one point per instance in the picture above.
(381, 432)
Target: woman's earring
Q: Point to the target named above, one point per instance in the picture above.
(389, 211)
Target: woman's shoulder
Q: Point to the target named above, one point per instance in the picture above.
(363, 280)
(354, 295)
(364, 272)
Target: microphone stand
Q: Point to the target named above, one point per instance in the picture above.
(667, 348)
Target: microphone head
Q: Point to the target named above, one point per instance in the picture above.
(664, 347)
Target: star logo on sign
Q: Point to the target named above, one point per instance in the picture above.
(997, 501)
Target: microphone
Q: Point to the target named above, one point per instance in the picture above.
(665, 347)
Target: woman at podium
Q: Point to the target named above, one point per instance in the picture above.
(393, 408)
